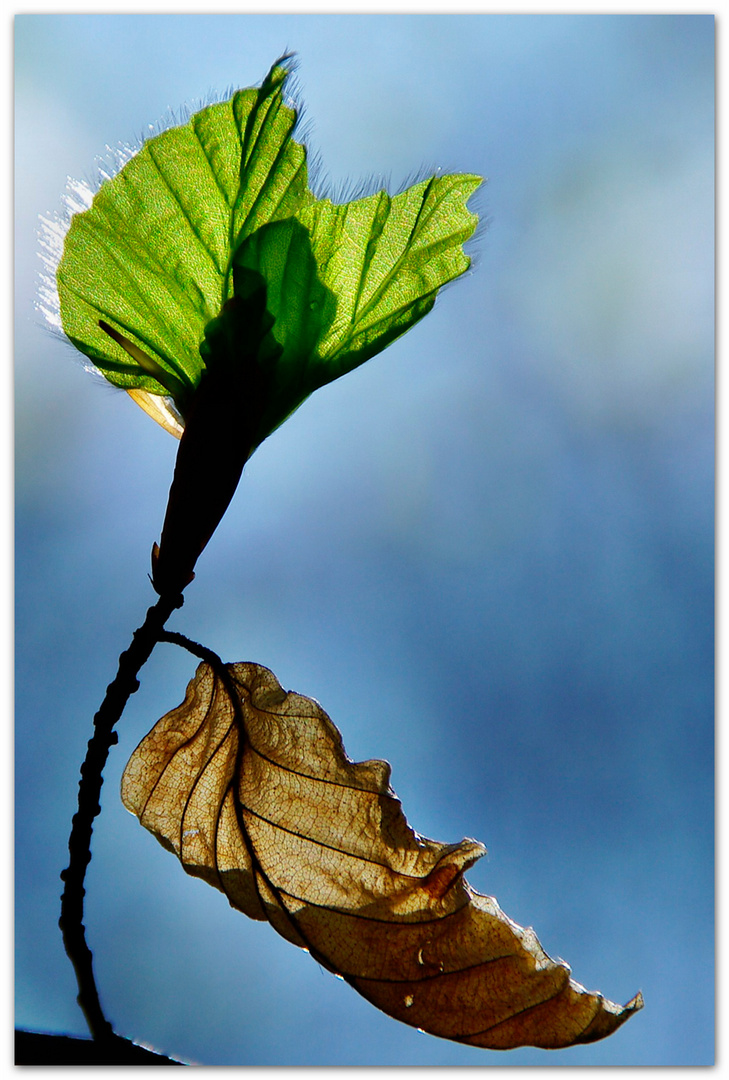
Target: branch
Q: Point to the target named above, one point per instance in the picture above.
(89, 791)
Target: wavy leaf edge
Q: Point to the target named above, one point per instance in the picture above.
(246, 783)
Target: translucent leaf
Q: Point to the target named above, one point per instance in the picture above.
(355, 278)
(251, 788)
(152, 256)
(152, 263)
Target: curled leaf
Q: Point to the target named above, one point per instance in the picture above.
(251, 788)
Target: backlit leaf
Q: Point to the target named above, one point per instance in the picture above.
(152, 256)
(251, 788)
(344, 281)
(151, 264)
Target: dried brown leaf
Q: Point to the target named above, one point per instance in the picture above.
(251, 788)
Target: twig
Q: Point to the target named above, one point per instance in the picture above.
(89, 791)
(171, 637)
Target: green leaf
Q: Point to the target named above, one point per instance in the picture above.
(385, 259)
(147, 271)
(344, 281)
(152, 256)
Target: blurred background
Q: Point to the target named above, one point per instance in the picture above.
(488, 552)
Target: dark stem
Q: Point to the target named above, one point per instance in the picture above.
(89, 791)
(201, 651)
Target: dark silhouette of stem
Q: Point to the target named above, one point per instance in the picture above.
(171, 637)
(89, 791)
